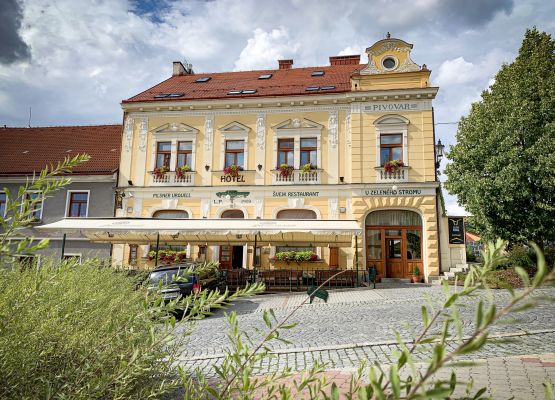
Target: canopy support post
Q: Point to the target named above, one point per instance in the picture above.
(63, 247)
(356, 257)
(157, 245)
(254, 258)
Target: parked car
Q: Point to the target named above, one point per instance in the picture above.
(182, 279)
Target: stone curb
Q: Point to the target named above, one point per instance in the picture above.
(365, 344)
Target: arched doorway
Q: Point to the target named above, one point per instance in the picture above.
(394, 242)
(232, 257)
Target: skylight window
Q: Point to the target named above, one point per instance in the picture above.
(312, 88)
(248, 91)
(327, 87)
(234, 92)
(265, 76)
(318, 73)
(203, 79)
(165, 95)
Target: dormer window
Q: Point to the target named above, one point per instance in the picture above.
(389, 63)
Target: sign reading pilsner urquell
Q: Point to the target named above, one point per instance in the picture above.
(456, 230)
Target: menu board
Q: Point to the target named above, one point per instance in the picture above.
(456, 230)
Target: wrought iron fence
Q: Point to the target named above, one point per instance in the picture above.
(296, 279)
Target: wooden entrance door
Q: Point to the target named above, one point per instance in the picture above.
(394, 257)
(225, 257)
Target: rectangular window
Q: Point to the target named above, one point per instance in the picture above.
(3, 204)
(286, 148)
(234, 153)
(163, 154)
(33, 205)
(391, 148)
(133, 248)
(78, 204)
(414, 244)
(374, 244)
(184, 154)
(309, 151)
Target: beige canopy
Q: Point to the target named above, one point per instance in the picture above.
(315, 232)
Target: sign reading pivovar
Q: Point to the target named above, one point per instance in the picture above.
(397, 106)
(456, 230)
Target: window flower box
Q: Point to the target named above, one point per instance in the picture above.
(181, 171)
(393, 166)
(285, 170)
(308, 167)
(160, 172)
(167, 256)
(233, 170)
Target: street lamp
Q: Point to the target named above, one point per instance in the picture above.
(439, 152)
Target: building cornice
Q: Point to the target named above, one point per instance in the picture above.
(282, 104)
(74, 178)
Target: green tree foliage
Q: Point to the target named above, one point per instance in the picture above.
(503, 165)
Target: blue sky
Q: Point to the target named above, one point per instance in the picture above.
(74, 61)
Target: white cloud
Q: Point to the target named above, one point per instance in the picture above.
(263, 49)
(351, 50)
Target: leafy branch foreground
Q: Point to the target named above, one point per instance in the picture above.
(442, 325)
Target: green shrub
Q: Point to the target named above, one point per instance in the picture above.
(520, 256)
(81, 332)
(470, 256)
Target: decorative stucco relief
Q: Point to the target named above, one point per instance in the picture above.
(128, 133)
(333, 129)
(208, 132)
(261, 131)
(143, 130)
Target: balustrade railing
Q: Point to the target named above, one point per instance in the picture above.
(298, 176)
(171, 178)
(401, 174)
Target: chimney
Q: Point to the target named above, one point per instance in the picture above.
(345, 60)
(182, 69)
(285, 64)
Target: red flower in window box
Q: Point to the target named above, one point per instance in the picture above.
(233, 170)
(181, 171)
(160, 171)
(393, 166)
(285, 170)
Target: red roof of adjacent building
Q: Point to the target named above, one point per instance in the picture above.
(27, 150)
(284, 82)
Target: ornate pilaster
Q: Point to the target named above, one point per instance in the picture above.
(143, 130)
(332, 129)
(128, 133)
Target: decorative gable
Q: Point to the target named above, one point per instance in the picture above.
(235, 127)
(389, 55)
(175, 127)
(297, 124)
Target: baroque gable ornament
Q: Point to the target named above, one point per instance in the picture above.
(128, 133)
(260, 131)
(333, 129)
(297, 123)
(143, 130)
(175, 127)
(386, 49)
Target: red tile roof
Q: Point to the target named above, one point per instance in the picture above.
(27, 150)
(284, 82)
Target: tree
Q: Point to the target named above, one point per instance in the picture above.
(503, 165)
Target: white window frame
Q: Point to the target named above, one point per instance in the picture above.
(234, 131)
(174, 132)
(287, 130)
(68, 197)
(41, 204)
(390, 125)
(6, 205)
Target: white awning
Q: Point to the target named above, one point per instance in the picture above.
(309, 232)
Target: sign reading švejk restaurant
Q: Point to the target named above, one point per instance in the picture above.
(456, 230)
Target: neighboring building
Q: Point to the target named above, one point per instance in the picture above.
(346, 144)
(26, 151)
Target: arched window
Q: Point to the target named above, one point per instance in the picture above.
(171, 214)
(233, 214)
(394, 218)
(296, 214)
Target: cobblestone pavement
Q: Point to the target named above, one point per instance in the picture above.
(358, 324)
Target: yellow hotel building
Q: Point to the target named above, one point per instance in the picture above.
(348, 141)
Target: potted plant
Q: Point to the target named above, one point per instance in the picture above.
(393, 166)
(159, 172)
(233, 170)
(415, 274)
(285, 170)
(167, 256)
(307, 167)
(181, 171)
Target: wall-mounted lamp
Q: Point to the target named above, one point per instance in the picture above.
(207, 167)
(110, 235)
(341, 179)
(130, 182)
(119, 199)
(440, 147)
(259, 166)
